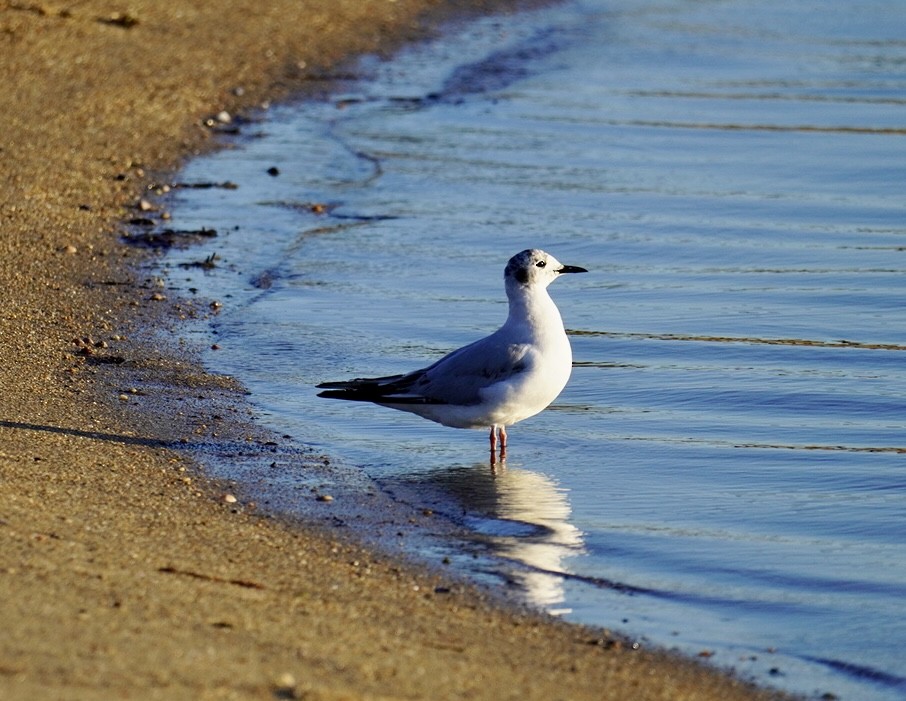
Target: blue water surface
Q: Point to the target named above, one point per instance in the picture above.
(726, 471)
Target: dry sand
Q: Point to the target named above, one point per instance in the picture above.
(123, 573)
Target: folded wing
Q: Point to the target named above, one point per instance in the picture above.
(457, 378)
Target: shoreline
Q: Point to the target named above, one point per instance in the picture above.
(124, 571)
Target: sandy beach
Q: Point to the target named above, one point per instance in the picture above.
(124, 572)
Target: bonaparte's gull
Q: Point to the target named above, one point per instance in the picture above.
(496, 381)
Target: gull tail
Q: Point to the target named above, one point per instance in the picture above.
(371, 389)
(395, 389)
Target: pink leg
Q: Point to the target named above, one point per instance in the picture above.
(495, 432)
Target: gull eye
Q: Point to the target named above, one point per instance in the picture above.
(541, 263)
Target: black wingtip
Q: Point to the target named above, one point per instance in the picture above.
(334, 394)
(352, 394)
(330, 385)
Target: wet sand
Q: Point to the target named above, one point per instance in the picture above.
(124, 573)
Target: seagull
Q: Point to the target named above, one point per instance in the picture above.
(496, 381)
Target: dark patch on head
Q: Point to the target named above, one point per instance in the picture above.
(517, 267)
(511, 268)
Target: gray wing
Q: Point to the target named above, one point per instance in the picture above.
(457, 378)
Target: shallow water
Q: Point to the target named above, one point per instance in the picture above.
(726, 471)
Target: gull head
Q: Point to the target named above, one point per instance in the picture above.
(535, 268)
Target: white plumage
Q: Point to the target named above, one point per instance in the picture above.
(496, 381)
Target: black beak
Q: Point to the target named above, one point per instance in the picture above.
(572, 269)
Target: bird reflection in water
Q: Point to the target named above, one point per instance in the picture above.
(523, 516)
